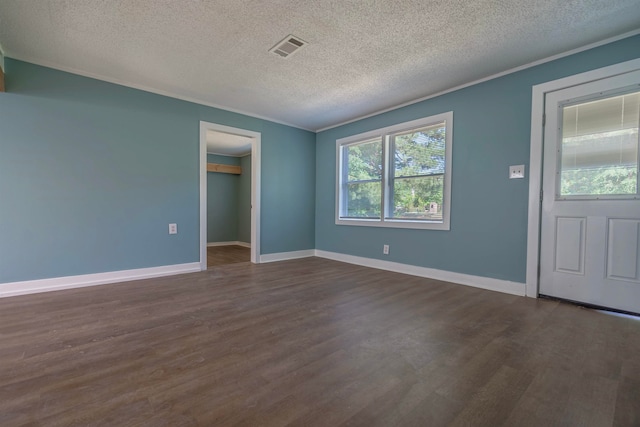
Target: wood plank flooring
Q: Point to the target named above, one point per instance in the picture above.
(231, 254)
(311, 342)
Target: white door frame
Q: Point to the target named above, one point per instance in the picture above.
(255, 187)
(535, 160)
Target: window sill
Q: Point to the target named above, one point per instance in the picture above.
(395, 223)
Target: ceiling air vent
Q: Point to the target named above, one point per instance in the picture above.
(288, 46)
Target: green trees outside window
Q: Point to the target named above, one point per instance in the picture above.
(600, 147)
(600, 164)
(416, 183)
(364, 179)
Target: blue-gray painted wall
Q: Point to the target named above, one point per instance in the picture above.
(292, 204)
(92, 173)
(492, 123)
(223, 195)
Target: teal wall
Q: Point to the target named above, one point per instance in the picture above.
(492, 122)
(92, 173)
(222, 201)
(292, 203)
(244, 201)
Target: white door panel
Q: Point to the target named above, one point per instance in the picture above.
(590, 222)
(570, 245)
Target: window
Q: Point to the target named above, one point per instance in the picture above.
(600, 148)
(398, 176)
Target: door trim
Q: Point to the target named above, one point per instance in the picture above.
(255, 187)
(536, 159)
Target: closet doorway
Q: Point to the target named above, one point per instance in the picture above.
(229, 195)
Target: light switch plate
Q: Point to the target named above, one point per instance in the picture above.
(516, 171)
(173, 228)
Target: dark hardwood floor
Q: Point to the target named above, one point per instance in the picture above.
(311, 342)
(231, 254)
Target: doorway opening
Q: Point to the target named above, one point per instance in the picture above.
(227, 150)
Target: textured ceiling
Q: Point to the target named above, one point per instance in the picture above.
(363, 56)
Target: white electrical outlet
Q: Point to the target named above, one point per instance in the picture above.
(173, 228)
(516, 171)
(385, 250)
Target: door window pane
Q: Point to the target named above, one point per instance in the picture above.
(600, 147)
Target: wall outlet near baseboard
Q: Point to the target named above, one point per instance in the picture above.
(173, 228)
(385, 250)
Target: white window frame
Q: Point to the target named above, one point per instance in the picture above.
(384, 134)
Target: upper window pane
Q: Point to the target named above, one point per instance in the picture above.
(600, 147)
(364, 160)
(419, 152)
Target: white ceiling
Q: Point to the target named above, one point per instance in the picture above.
(363, 56)
(227, 144)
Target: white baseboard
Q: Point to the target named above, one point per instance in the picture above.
(506, 286)
(283, 256)
(235, 243)
(70, 282)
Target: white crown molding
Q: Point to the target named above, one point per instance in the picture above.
(505, 286)
(491, 77)
(148, 89)
(81, 281)
(234, 243)
(283, 256)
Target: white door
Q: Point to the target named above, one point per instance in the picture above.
(590, 229)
